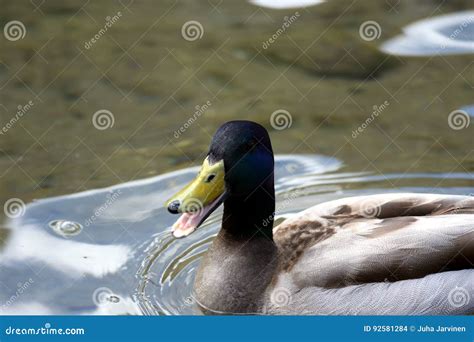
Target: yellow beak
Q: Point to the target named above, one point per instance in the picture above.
(198, 199)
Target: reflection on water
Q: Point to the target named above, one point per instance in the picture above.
(468, 109)
(125, 261)
(443, 35)
(34, 247)
(281, 4)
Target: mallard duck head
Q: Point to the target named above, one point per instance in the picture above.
(239, 161)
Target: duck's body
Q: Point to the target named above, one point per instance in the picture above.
(379, 254)
(414, 254)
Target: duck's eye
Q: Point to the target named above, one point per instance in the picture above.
(210, 178)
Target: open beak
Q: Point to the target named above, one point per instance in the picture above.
(197, 200)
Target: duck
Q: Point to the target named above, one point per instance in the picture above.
(383, 254)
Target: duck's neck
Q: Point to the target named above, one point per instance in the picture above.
(250, 216)
(241, 262)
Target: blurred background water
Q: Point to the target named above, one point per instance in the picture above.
(94, 94)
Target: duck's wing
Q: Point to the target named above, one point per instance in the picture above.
(377, 238)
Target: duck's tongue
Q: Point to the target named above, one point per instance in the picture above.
(188, 222)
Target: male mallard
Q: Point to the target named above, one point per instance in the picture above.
(380, 254)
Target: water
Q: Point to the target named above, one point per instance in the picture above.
(66, 228)
(283, 4)
(442, 35)
(151, 79)
(110, 251)
(469, 110)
